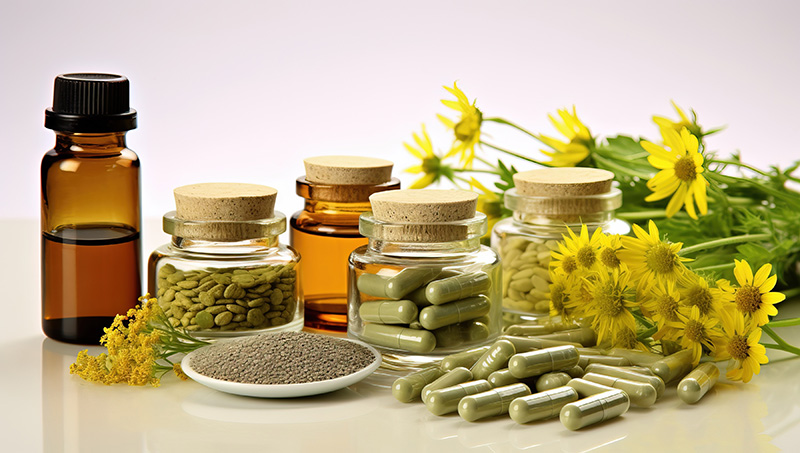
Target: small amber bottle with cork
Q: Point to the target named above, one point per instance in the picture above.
(336, 190)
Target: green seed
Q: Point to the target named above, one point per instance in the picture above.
(206, 299)
(236, 309)
(223, 318)
(205, 320)
(276, 297)
(188, 284)
(176, 277)
(255, 317)
(216, 309)
(239, 318)
(244, 280)
(222, 279)
(256, 302)
(234, 291)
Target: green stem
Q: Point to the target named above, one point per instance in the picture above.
(783, 344)
(619, 168)
(642, 215)
(515, 126)
(517, 155)
(472, 170)
(785, 323)
(647, 333)
(486, 162)
(725, 241)
(643, 320)
(718, 267)
(741, 165)
(790, 293)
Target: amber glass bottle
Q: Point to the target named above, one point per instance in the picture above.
(336, 190)
(90, 209)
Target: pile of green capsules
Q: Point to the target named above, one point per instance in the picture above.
(229, 299)
(551, 373)
(526, 273)
(421, 309)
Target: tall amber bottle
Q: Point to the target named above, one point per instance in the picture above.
(336, 190)
(90, 209)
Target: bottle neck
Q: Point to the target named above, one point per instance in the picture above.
(97, 143)
(335, 213)
(255, 246)
(424, 249)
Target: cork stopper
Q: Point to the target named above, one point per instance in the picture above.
(423, 215)
(348, 170)
(565, 194)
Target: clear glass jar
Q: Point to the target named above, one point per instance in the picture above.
(397, 271)
(526, 240)
(220, 287)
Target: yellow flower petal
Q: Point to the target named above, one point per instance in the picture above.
(676, 202)
(743, 272)
(761, 276)
(772, 298)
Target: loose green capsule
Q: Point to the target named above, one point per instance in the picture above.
(455, 376)
(525, 344)
(673, 366)
(445, 401)
(588, 388)
(552, 380)
(495, 358)
(630, 375)
(389, 311)
(458, 287)
(637, 358)
(585, 336)
(436, 316)
(641, 394)
(407, 280)
(501, 378)
(466, 359)
(698, 383)
(575, 372)
(372, 284)
(639, 369)
(586, 359)
(541, 406)
(491, 402)
(408, 388)
(530, 330)
(594, 409)
(418, 297)
(403, 338)
(462, 333)
(534, 363)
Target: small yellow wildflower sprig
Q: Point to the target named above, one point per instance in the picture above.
(637, 292)
(140, 345)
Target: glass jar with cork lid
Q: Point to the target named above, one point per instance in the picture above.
(424, 286)
(225, 273)
(546, 203)
(336, 190)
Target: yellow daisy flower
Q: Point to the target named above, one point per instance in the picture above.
(753, 297)
(610, 244)
(741, 344)
(681, 173)
(626, 338)
(430, 165)
(578, 249)
(489, 203)
(579, 140)
(611, 299)
(468, 128)
(696, 331)
(561, 290)
(695, 291)
(649, 258)
(579, 298)
(662, 304)
(665, 123)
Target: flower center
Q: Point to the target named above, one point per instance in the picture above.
(609, 300)
(469, 127)
(609, 258)
(694, 331)
(685, 169)
(738, 347)
(625, 338)
(431, 164)
(700, 297)
(661, 259)
(558, 295)
(748, 299)
(569, 265)
(666, 307)
(586, 256)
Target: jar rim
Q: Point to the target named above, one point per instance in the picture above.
(569, 205)
(342, 193)
(224, 230)
(459, 230)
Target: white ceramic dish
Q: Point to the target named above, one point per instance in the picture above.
(283, 390)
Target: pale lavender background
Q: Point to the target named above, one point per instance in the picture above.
(242, 91)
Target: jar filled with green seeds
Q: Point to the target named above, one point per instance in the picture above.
(424, 286)
(545, 204)
(225, 273)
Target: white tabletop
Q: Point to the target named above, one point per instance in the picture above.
(46, 409)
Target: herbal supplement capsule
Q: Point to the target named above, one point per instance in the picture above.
(630, 375)
(534, 363)
(445, 401)
(372, 284)
(586, 359)
(418, 297)
(640, 393)
(466, 359)
(459, 287)
(525, 344)
(462, 333)
(637, 358)
(495, 358)
(455, 376)
(408, 388)
(408, 280)
(420, 341)
(491, 402)
(673, 366)
(389, 312)
(698, 382)
(639, 369)
(529, 330)
(501, 378)
(594, 409)
(575, 372)
(541, 406)
(585, 336)
(552, 380)
(588, 388)
(436, 316)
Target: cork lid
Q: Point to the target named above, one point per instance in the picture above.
(564, 194)
(424, 215)
(348, 170)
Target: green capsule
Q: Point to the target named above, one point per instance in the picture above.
(641, 394)
(458, 287)
(436, 316)
(491, 402)
(530, 330)
(639, 369)
(372, 284)
(594, 409)
(462, 333)
(541, 406)
(501, 378)
(534, 363)
(418, 297)
(466, 359)
(575, 371)
(698, 383)
(586, 359)
(407, 280)
(389, 311)
(408, 388)
(455, 376)
(403, 338)
(552, 380)
(493, 359)
(588, 388)
(673, 367)
(585, 336)
(525, 344)
(637, 358)
(630, 375)
(445, 401)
